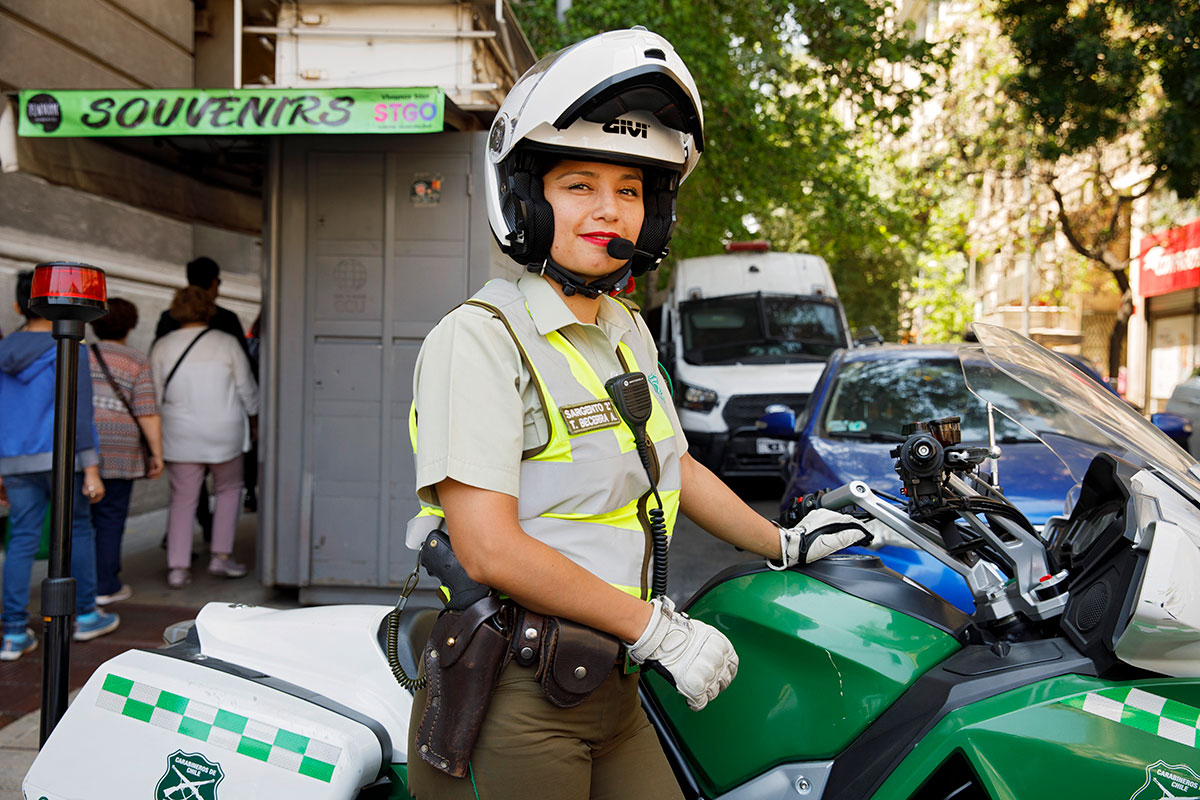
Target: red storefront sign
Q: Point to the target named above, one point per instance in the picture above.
(1170, 260)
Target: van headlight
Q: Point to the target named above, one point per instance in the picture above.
(697, 398)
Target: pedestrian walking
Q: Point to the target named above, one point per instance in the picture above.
(130, 431)
(209, 405)
(206, 274)
(27, 374)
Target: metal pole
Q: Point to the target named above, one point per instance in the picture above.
(237, 43)
(1027, 283)
(58, 590)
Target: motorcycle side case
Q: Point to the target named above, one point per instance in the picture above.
(266, 703)
(334, 651)
(816, 666)
(149, 725)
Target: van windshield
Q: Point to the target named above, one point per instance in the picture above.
(760, 329)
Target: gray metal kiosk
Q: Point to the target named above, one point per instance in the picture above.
(371, 241)
(369, 236)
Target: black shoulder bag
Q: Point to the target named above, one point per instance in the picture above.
(179, 361)
(147, 456)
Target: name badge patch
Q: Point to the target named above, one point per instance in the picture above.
(585, 417)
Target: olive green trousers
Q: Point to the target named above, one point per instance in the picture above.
(602, 749)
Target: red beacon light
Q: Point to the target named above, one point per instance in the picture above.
(66, 290)
(756, 246)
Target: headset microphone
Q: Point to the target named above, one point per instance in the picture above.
(623, 249)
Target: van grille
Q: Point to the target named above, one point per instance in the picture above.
(743, 410)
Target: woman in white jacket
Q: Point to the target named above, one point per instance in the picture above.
(209, 403)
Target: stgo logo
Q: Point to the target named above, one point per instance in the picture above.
(637, 130)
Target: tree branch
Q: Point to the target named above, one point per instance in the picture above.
(1068, 230)
(1151, 183)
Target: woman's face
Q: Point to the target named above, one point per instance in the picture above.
(593, 203)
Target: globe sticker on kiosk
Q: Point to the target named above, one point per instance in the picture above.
(426, 189)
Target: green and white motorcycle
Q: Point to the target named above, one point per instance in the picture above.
(1078, 675)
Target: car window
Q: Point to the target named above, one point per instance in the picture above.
(881, 396)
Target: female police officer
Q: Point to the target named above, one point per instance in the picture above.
(518, 446)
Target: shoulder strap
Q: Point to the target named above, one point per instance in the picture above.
(182, 356)
(111, 381)
(537, 384)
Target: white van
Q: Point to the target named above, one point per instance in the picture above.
(742, 332)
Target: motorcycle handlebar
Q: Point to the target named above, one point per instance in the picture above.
(842, 496)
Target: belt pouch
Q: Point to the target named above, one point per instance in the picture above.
(575, 661)
(463, 659)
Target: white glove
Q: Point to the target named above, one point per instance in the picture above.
(820, 533)
(698, 656)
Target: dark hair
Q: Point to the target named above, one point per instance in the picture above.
(202, 272)
(24, 292)
(122, 317)
(192, 304)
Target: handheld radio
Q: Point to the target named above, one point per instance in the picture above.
(630, 394)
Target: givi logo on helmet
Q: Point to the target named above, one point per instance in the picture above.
(634, 129)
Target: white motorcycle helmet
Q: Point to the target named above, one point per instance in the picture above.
(625, 97)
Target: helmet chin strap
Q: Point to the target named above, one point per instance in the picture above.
(574, 283)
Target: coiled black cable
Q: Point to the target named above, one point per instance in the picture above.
(658, 522)
(658, 535)
(393, 656)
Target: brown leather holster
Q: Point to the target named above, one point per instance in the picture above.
(573, 659)
(463, 659)
(466, 653)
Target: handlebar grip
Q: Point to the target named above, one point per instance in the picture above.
(443, 566)
(840, 497)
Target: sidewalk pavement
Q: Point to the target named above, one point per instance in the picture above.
(143, 617)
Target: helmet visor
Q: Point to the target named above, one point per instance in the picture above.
(651, 88)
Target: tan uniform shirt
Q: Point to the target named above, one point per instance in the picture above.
(470, 387)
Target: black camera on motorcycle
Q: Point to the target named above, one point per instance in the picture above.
(930, 453)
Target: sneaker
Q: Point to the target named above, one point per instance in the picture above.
(17, 644)
(124, 593)
(225, 567)
(179, 577)
(95, 623)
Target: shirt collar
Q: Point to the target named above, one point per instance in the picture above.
(550, 313)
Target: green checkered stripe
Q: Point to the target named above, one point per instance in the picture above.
(216, 726)
(1142, 710)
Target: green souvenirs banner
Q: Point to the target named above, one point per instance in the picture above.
(230, 112)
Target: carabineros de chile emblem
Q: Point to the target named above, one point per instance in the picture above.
(189, 776)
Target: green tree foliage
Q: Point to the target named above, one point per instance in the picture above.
(1093, 72)
(1098, 77)
(779, 163)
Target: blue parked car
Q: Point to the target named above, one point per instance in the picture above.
(853, 420)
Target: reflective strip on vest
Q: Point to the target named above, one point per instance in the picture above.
(586, 494)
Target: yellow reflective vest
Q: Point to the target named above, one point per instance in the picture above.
(585, 493)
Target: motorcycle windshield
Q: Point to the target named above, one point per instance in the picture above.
(1065, 408)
